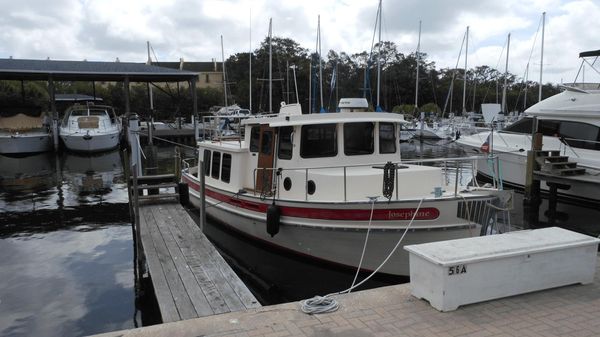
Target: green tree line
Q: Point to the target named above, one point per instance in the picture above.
(440, 90)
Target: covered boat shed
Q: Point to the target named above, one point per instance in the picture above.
(93, 71)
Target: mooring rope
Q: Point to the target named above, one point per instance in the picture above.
(324, 304)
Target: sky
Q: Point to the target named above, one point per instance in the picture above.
(104, 30)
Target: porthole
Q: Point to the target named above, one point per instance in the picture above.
(287, 183)
(311, 187)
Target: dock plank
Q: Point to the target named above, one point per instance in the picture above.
(173, 240)
(182, 300)
(228, 279)
(164, 298)
(191, 279)
(236, 294)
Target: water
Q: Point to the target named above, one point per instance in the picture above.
(66, 246)
(67, 250)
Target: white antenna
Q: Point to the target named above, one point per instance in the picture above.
(542, 56)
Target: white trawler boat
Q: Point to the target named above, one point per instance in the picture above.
(21, 133)
(90, 128)
(303, 183)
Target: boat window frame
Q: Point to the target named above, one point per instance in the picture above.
(226, 169)
(392, 141)
(282, 151)
(254, 139)
(353, 137)
(216, 165)
(207, 161)
(310, 152)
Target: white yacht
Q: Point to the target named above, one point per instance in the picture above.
(569, 122)
(90, 128)
(324, 185)
(21, 134)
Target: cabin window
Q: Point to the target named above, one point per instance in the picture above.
(318, 141)
(387, 138)
(285, 142)
(254, 138)
(358, 138)
(207, 78)
(580, 135)
(216, 164)
(548, 128)
(524, 125)
(206, 161)
(226, 167)
(266, 146)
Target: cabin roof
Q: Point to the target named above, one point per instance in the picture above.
(23, 69)
(590, 53)
(326, 118)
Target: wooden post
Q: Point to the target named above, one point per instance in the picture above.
(127, 171)
(126, 94)
(202, 195)
(54, 113)
(531, 201)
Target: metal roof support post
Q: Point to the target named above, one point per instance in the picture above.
(126, 92)
(194, 107)
(52, 93)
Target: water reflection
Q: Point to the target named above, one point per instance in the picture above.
(66, 245)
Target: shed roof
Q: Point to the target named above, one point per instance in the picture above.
(22, 69)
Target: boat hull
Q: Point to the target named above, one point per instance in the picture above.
(335, 232)
(512, 171)
(21, 143)
(96, 142)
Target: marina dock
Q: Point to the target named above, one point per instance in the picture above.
(393, 311)
(189, 276)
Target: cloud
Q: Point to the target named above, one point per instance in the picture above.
(106, 29)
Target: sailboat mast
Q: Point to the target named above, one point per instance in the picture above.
(224, 76)
(270, 66)
(505, 76)
(464, 100)
(320, 61)
(379, 59)
(418, 63)
(250, 66)
(542, 56)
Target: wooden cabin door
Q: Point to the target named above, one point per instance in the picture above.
(266, 154)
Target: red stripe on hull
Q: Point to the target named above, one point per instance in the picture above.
(425, 213)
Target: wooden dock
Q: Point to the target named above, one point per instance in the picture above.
(190, 278)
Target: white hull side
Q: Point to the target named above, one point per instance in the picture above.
(341, 242)
(25, 143)
(97, 142)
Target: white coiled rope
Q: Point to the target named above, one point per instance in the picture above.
(324, 304)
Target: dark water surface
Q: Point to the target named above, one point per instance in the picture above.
(67, 250)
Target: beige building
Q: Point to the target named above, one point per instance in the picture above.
(210, 73)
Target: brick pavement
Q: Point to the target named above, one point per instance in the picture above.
(392, 311)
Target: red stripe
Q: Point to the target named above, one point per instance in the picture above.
(425, 213)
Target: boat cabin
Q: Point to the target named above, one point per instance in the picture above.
(297, 154)
(89, 116)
